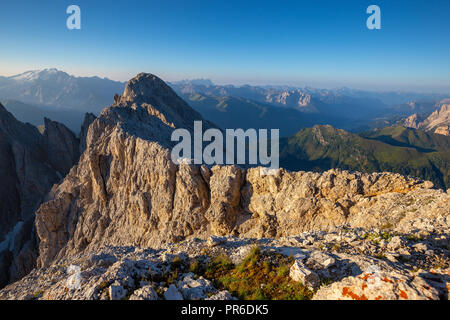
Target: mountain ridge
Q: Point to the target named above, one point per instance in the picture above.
(55, 88)
(30, 163)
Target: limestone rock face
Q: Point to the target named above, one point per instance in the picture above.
(126, 190)
(30, 163)
(412, 121)
(439, 119)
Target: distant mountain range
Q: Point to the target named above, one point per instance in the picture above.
(427, 116)
(237, 112)
(259, 93)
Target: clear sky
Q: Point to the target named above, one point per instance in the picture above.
(317, 43)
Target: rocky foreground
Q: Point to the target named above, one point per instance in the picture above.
(345, 263)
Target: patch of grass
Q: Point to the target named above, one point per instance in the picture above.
(386, 236)
(260, 276)
(219, 264)
(377, 237)
(325, 282)
(195, 266)
(253, 256)
(441, 262)
(380, 256)
(38, 294)
(103, 285)
(176, 264)
(404, 259)
(336, 247)
(283, 271)
(172, 277)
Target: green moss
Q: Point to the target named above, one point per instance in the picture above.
(377, 237)
(38, 294)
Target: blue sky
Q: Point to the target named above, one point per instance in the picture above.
(316, 43)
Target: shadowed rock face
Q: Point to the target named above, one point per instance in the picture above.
(61, 146)
(88, 119)
(125, 189)
(30, 163)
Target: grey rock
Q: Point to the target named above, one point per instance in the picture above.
(395, 243)
(195, 289)
(117, 292)
(172, 293)
(222, 295)
(320, 260)
(215, 241)
(299, 272)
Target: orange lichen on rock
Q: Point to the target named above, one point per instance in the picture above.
(378, 298)
(385, 279)
(346, 292)
(364, 286)
(367, 276)
(403, 295)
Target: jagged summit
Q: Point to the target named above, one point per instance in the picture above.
(150, 89)
(149, 109)
(147, 90)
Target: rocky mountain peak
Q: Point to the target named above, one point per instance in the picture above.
(150, 109)
(412, 121)
(145, 87)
